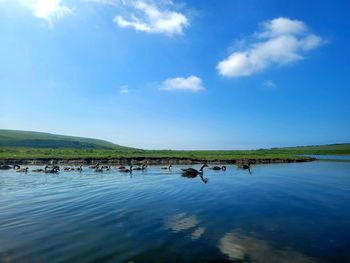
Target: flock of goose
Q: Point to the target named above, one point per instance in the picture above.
(186, 172)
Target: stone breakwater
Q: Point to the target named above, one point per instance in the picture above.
(150, 161)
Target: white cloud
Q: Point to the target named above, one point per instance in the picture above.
(49, 9)
(45, 9)
(281, 41)
(151, 18)
(270, 84)
(124, 89)
(192, 83)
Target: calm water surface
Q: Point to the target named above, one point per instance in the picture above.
(279, 213)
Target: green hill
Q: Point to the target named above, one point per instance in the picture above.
(25, 144)
(14, 138)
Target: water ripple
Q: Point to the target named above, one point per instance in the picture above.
(286, 212)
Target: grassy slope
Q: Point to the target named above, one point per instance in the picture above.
(10, 138)
(44, 145)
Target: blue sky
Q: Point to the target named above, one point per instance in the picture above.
(178, 74)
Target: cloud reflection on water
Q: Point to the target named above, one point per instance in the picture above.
(238, 246)
(182, 222)
(198, 232)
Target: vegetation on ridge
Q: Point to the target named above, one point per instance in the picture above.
(9, 138)
(33, 145)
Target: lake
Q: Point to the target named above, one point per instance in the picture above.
(297, 212)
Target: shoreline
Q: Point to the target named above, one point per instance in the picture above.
(151, 161)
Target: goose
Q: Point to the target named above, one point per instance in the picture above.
(121, 167)
(66, 168)
(22, 170)
(99, 169)
(38, 170)
(126, 170)
(166, 167)
(217, 168)
(190, 172)
(140, 168)
(16, 166)
(5, 167)
(244, 166)
(94, 166)
(80, 168)
(53, 167)
(51, 170)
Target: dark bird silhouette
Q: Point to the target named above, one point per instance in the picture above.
(190, 172)
(244, 166)
(22, 170)
(140, 168)
(218, 168)
(126, 170)
(51, 169)
(40, 170)
(95, 166)
(99, 169)
(166, 167)
(5, 167)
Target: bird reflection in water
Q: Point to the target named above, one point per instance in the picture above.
(192, 173)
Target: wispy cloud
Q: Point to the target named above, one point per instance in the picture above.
(191, 83)
(150, 17)
(48, 10)
(124, 89)
(281, 41)
(270, 84)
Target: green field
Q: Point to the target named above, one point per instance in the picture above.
(68, 153)
(32, 145)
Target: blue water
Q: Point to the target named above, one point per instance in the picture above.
(279, 213)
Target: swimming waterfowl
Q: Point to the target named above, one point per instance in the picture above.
(244, 166)
(99, 169)
(80, 168)
(51, 169)
(38, 170)
(5, 167)
(95, 166)
(190, 172)
(217, 168)
(22, 170)
(140, 168)
(166, 167)
(126, 170)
